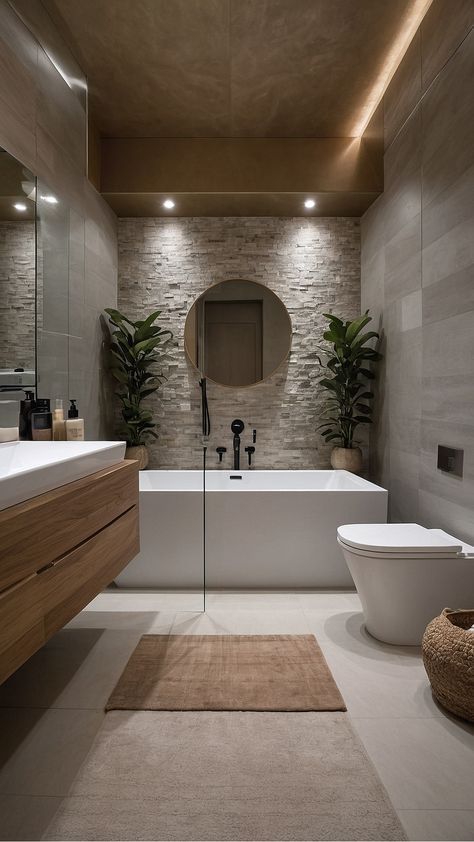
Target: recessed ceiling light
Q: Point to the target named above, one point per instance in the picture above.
(309, 203)
(51, 200)
(19, 206)
(168, 204)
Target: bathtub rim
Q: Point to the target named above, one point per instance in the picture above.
(354, 484)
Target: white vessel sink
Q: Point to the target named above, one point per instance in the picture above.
(28, 468)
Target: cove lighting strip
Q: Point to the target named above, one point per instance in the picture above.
(392, 61)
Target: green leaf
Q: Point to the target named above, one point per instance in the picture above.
(145, 326)
(329, 384)
(362, 340)
(334, 436)
(116, 316)
(331, 336)
(147, 344)
(119, 375)
(356, 326)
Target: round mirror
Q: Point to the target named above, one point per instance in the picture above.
(237, 333)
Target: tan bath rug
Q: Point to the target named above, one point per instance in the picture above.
(227, 672)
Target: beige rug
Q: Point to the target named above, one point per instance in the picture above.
(226, 776)
(227, 672)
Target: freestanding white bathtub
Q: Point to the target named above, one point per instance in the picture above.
(263, 529)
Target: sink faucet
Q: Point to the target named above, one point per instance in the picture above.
(237, 428)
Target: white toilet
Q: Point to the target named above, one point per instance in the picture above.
(405, 575)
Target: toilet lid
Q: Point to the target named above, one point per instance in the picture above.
(398, 537)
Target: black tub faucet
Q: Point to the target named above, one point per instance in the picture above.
(221, 451)
(237, 428)
(250, 451)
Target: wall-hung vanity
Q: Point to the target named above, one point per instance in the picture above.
(61, 547)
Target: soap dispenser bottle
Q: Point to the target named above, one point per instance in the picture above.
(74, 424)
(26, 408)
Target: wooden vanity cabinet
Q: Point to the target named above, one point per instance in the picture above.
(58, 551)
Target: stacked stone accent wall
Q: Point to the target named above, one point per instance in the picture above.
(17, 294)
(313, 265)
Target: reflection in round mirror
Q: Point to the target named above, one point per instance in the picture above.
(237, 333)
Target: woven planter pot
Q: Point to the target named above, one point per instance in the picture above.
(140, 454)
(448, 655)
(347, 459)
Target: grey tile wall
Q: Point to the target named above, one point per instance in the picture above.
(17, 294)
(43, 124)
(417, 273)
(312, 264)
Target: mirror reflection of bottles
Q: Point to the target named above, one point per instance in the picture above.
(237, 333)
(41, 420)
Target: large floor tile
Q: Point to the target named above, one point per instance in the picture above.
(26, 816)
(78, 668)
(327, 600)
(456, 825)
(123, 620)
(242, 621)
(380, 688)
(42, 751)
(425, 763)
(121, 599)
(346, 630)
(252, 600)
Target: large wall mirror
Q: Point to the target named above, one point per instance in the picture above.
(237, 333)
(17, 274)
(41, 258)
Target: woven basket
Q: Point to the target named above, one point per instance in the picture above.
(448, 655)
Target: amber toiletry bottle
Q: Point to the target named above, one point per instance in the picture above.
(59, 425)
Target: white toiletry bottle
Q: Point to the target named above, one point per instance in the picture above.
(59, 425)
(9, 415)
(74, 424)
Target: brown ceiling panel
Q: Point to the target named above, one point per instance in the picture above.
(229, 68)
(239, 165)
(239, 204)
(240, 176)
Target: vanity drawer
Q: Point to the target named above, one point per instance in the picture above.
(33, 610)
(78, 577)
(41, 530)
(21, 624)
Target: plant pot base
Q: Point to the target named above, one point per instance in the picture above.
(138, 452)
(347, 459)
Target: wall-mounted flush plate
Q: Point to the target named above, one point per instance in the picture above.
(450, 460)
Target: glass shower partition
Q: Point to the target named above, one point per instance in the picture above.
(168, 574)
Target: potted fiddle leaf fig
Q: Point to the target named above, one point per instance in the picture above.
(135, 350)
(347, 358)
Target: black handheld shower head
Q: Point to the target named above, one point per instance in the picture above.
(237, 427)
